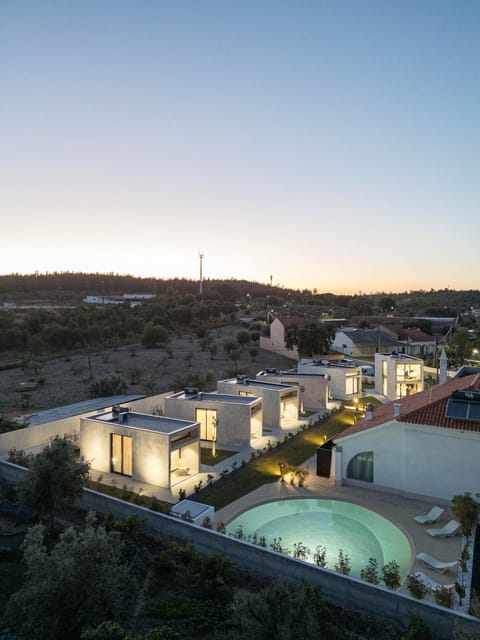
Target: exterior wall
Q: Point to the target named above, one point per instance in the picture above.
(271, 401)
(416, 459)
(151, 404)
(338, 377)
(276, 341)
(150, 451)
(234, 424)
(314, 392)
(343, 343)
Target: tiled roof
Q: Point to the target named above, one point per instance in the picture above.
(299, 321)
(425, 408)
(371, 337)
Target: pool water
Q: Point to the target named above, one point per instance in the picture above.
(333, 524)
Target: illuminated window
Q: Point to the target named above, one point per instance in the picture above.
(352, 384)
(246, 393)
(121, 448)
(360, 467)
(208, 422)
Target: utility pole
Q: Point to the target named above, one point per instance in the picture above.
(200, 255)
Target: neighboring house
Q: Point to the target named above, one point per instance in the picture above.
(280, 401)
(439, 325)
(427, 444)
(345, 377)
(364, 343)
(276, 341)
(398, 375)
(313, 389)
(156, 450)
(232, 421)
(412, 341)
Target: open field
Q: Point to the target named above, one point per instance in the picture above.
(65, 379)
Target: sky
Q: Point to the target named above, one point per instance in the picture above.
(320, 144)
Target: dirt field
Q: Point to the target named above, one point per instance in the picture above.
(146, 371)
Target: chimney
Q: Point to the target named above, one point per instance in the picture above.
(396, 409)
(443, 367)
(369, 411)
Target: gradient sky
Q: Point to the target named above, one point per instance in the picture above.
(328, 144)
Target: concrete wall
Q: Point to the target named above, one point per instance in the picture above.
(344, 591)
(337, 375)
(314, 391)
(234, 424)
(408, 456)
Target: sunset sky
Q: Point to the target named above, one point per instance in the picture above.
(330, 144)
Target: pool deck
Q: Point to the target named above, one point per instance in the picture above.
(396, 508)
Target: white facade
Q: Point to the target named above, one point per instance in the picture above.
(398, 375)
(155, 450)
(432, 462)
(231, 421)
(313, 390)
(280, 401)
(345, 380)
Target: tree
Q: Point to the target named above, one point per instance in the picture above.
(243, 338)
(55, 480)
(83, 581)
(153, 335)
(386, 304)
(416, 587)
(343, 564)
(391, 575)
(312, 339)
(463, 345)
(466, 510)
(370, 572)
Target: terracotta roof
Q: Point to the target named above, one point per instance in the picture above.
(426, 408)
(300, 321)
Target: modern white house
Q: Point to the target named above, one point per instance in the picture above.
(45, 424)
(426, 444)
(398, 375)
(280, 401)
(155, 450)
(345, 377)
(313, 389)
(231, 421)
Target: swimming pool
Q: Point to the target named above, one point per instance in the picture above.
(333, 524)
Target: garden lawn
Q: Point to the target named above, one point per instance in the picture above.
(266, 468)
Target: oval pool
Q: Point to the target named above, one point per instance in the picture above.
(332, 524)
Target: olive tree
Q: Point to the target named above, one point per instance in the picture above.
(55, 479)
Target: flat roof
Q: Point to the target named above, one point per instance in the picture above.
(70, 410)
(292, 374)
(225, 398)
(195, 509)
(144, 422)
(261, 384)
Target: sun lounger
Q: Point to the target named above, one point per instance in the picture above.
(436, 565)
(432, 516)
(430, 583)
(450, 529)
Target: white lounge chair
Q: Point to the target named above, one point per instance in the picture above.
(450, 529)
(430, 583)
(432, 516)
(436, 565)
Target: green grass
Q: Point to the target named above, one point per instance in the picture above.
(221, 455)
(266, 468)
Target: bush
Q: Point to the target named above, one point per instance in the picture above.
(108, 386)
(416, 588)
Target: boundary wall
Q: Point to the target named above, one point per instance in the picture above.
(344, 591)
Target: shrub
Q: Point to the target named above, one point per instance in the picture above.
(108, 386)
(416, 588)
(391, 574)
(370, 572)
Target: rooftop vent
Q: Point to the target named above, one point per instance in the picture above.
(396, 409)
(369, 411)
(242, 378)
(190, 392)
(270, 371)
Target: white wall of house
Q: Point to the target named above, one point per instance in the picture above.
(343, 343)
(151, 461)
(314, 391)
(427, 461)
(276, 341)
(390, 378)
(345, 382)
(235, 424)
(279, 403)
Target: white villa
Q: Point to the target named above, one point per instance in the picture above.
(280, 401)
(426, 444)
(232, 421)
(314, 389)
(398, 375)
(151, 449)
(345, 377)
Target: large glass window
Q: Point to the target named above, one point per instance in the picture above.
(360, 467)
(208, 423)
(121, 448)
(352, 385)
